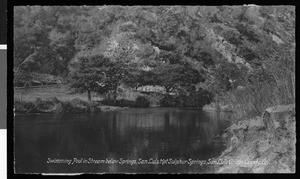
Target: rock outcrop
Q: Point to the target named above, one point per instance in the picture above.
(263, 144)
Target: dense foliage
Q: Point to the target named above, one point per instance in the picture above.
(226, 51)
(194, 99)
(140, 102)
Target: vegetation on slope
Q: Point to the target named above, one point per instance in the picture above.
(242, 55)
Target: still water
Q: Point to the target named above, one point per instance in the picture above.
(149, 140)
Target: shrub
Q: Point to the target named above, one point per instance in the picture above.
(21, 106)
(194, 99)
(169, 101)
(120, 103)
(125, 103)
(141, 102)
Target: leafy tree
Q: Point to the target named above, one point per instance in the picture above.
(51, 30)
(115, 75)
(175, 77)
(89, 74)
(98, 74)
(133, 78)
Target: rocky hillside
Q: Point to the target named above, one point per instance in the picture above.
(263, 144)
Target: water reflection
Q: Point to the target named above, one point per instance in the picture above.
(132, 134)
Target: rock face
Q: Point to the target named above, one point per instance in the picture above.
(263, 144)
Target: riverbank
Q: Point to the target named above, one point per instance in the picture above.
(264, 144)
(61, 92)
(53, 105)
(60, 99)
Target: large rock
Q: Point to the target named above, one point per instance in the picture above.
(280, 118)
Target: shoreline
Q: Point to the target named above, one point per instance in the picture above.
(74, 106)
(55, 106)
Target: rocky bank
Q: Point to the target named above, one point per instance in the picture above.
(264, 144)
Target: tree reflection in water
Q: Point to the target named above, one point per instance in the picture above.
(158, 133)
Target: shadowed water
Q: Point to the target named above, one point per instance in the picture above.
(149, 136)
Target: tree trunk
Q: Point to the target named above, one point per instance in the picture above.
(89, 95)
(115, 97)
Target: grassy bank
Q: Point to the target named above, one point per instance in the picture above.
(271, 85)
(59, 99)
(61, 92)
(45, 97)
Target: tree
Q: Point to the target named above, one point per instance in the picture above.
(133, 78)
(178, 77)
(88, 74)
(115, 74)
(97, 73)
(52, 30)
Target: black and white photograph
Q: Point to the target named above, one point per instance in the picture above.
(144, 89)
